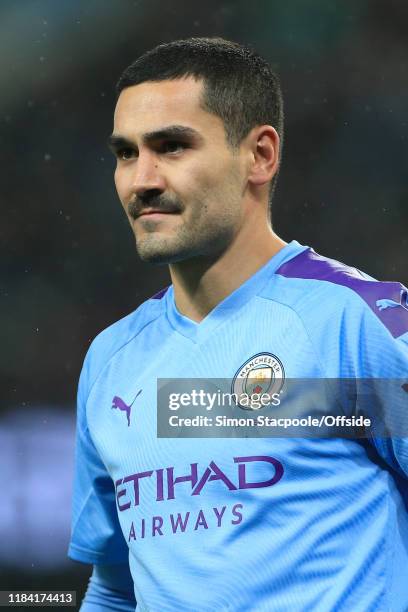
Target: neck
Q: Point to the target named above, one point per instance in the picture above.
(200, 284)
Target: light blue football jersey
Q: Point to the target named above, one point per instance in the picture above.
(283, 524)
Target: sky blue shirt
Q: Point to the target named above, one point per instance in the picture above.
(265, 524)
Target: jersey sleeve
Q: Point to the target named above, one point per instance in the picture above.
(110, 588)
(96, 536)
(383, 385)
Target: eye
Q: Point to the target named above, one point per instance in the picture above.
(173, 146)
(125, 153)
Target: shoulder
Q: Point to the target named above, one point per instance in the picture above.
(315, 285)
(112, 339)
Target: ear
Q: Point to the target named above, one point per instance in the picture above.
(264, 142)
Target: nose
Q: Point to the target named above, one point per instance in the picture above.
(147, 176)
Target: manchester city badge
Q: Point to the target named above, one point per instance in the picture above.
(261, 376)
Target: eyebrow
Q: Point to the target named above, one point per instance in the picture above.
(116, 141)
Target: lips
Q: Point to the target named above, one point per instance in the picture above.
(155, 212)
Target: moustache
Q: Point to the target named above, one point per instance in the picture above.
(159, 203)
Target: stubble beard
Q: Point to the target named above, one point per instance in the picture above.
(201, 236)
(197, 241)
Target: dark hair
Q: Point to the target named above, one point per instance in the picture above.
(239, 85)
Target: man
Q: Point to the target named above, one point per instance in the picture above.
(257, 523)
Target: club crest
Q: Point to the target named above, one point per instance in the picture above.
(261, 374)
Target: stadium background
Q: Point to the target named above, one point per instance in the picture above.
(69, 267)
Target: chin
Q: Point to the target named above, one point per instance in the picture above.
(159, 255)
(162, 249)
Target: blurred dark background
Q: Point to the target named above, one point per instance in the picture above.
(69, 266)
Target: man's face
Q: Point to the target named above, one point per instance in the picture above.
(179, 182)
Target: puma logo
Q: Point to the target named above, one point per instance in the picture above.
(118, 403)
(386, 303)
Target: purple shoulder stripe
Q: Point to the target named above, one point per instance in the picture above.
(387, 300)
(159, 294)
